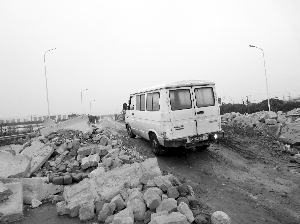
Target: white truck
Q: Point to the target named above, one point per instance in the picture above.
(184, 113)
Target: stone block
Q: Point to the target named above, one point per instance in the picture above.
(86, 211)
(107, 210)
(85, 163)
(138, 207)
(58, 180)
(173, 218)
(183, 190)
(12, 209)
(127, 212)
(85, 151)
(184, 209)
(123, 220)
(125, 158)
(182, 199)
(38, 156)
(169, 205)
(109, 219)
(107, 161)
(61, 208)
(159, 214)
(67, 179)
(133, 194)
(105, 141)
(220, 217)
(13, 166)
(172, 192)
(118, 200)
(152, 198)
(4, 192)
(94, 159)
(99, 205)
(147, 217)
(38, 188)
(162, 183)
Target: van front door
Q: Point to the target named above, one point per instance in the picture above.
(206, 109)
(130, 116)
(182, 113)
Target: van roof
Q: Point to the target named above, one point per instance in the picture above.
(176, 84)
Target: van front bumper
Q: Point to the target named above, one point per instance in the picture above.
(196, 140)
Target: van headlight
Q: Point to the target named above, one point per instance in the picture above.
(215, 136)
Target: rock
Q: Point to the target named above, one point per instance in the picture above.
(271, 121)
(105, 141)
(200, 219)
(77, 177)
(61, 208)
(99, 205)
(125, 158)
(272, 115)
(12, 208)
(58, 180)
(109, 219)
(152, 198)
(127, 212)
(107, 161)
(138, 207)
(4, 192)
(35, 203)
(172, 192)
(169, 205)
(123, 220)
(67, 179)
(162, 183)
(220, 217)
(184, 209)
(38, 188)
(164, 196)
(85, 163)
(182, 199)
(133, 194)
(85, 151)
(118, 200)
(147, 217)
(183, 190)
(173, 218)
(94, 159)
(13, 166)
(39, 155)
(107, 210)
(193, 203)
(86, 211)
(124, 194)
(159, 214)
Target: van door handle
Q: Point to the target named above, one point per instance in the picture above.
(200, 112)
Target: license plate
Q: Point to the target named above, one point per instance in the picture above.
(200, 138)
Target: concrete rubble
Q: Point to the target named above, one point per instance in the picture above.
(285, 125)
(91, 175)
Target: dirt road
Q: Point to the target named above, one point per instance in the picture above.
(246, 177)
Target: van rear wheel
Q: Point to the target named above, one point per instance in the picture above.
(129, 131)
(157, 148)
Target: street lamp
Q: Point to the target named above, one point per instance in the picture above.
(91, 106)
(265, 75)
(46, 80)
(81, 100)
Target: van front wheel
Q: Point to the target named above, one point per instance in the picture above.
(129, 131)
(157, 149)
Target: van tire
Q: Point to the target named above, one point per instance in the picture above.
(156, 147)
(129, 131)
(202, 147)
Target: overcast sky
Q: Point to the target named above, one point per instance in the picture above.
(113, 48)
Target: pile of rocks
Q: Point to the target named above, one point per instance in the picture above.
(135, 192)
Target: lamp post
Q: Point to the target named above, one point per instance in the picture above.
(265, 75)
(81, 100)
(91, 106)
(46, 80)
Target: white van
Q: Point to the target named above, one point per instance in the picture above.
(184, 113)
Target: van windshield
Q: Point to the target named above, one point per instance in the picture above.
(205, 97)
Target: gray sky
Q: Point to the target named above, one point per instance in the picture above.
(116, 47)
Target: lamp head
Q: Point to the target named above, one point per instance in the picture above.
(251, 46)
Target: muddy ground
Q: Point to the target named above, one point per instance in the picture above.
(244, 175)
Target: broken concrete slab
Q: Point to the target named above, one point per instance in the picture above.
(38, 156)
(290, 133)
(110, 183)
(38, 188)
(13, 166)
(77, 123)
(12, 209)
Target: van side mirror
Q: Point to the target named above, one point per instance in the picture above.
(124, 106)
(219, 100)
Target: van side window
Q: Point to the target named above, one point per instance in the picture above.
(140, 102)
(180, 99)
(130, 104)
(205, 97)
(152, 102)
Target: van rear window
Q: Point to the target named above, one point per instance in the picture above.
(180, 99)
(205, 97)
